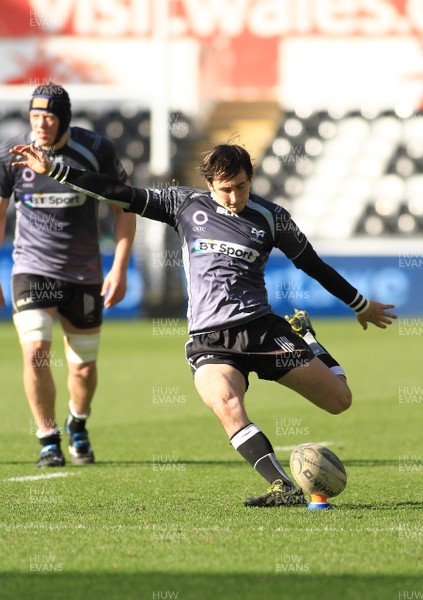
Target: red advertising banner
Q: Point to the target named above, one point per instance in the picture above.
(206, 18)
(237, 49)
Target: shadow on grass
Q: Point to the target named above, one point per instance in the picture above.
(236, 463)
(213, 586)
(372, 462)
(19, 462)
(384, 462)
(122, 463)
(386, 506)
(168, 458)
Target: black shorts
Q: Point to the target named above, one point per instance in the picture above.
(81, 304)
(267, 346)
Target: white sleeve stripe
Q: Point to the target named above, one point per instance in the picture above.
(146, 203)
(63, 178)
(53, 166)
(300, 252)
(60, 171)
(356, 299)
(359, 304)
(363, 307)
(97, 196)
(56, 171)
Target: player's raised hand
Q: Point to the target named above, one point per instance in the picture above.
(378, 314)
(35, 158)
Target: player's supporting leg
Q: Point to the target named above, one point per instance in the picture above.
(81, 348)
(38, 382)
(222, 388)
(35, 331)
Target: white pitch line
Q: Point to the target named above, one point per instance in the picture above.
(36, 477)
(296, 445)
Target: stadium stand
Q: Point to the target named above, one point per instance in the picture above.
(349, 174)
(343, 174)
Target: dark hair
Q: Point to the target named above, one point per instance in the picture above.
(224, 162)
(55, 99)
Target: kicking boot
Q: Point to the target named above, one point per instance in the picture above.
(300, 322)
(278, 494)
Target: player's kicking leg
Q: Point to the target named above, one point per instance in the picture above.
(322, 381)
(222, 388)
(301, 323)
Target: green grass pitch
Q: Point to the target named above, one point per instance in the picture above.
(160, 514)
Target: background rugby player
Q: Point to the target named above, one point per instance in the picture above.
(58, 268)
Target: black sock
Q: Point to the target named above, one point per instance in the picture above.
(254, 446)
(76, 425)
(51, 439)
(322, 354)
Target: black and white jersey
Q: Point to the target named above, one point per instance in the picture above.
(56, 227)
(224, 254)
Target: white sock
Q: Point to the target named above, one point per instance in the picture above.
(74, 413)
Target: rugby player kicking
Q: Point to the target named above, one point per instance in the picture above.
(227, 234)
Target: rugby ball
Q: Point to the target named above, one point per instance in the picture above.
(317, 469)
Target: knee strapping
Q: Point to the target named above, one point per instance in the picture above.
(82, 348)
(33, 325)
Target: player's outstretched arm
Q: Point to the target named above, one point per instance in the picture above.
(100, 186)
(378, 314)
(367, 311)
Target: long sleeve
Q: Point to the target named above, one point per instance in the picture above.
(330, 279)
(100, 186)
